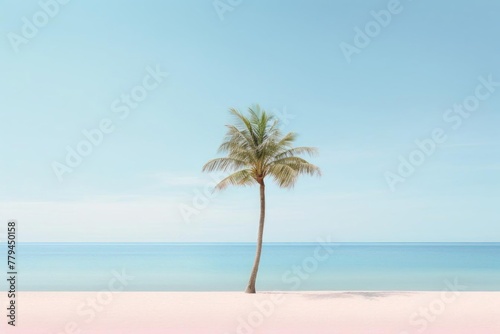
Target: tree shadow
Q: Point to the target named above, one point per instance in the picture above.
(372, 295)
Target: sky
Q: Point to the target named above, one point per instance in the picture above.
(401, 99)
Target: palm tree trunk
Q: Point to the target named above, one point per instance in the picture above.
(253, 276)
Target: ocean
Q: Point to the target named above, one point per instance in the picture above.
(284, 266)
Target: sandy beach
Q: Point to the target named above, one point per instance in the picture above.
(265, 312)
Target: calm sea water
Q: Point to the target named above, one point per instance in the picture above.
(284, 266)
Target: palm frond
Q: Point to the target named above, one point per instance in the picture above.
(223, 164)
(239, 178)
(284, 175)
(299, 165)
(295, 151)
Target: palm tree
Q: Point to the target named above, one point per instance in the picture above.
(256, 148)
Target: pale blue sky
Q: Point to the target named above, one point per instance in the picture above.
(285, 56)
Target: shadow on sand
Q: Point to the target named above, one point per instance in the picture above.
(344, 294)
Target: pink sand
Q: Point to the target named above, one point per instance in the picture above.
(265, 312)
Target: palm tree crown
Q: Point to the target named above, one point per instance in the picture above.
(256, 148)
